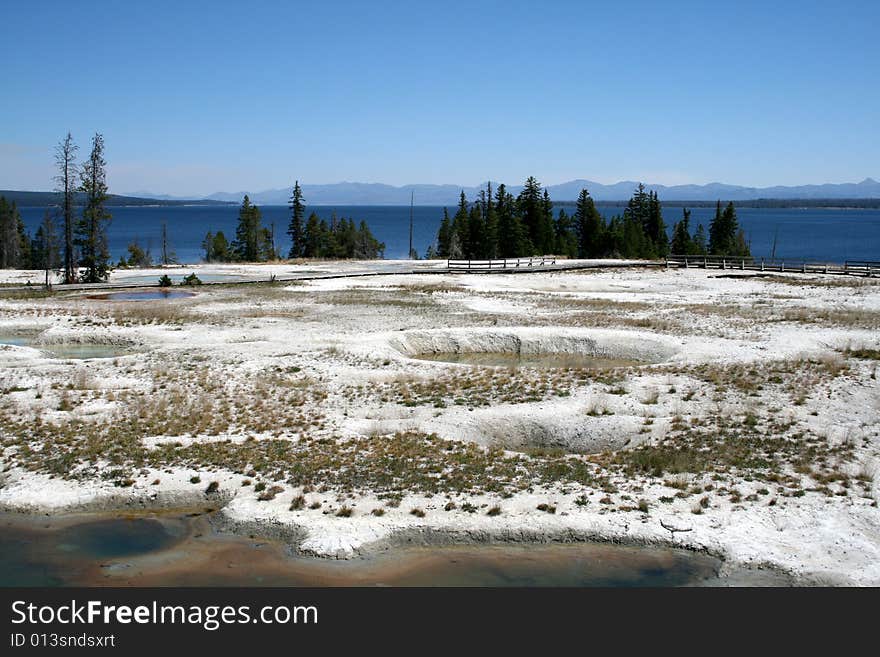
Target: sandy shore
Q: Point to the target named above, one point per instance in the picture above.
(747, 429)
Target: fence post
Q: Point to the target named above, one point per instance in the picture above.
(762, 264)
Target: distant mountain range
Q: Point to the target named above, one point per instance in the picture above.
(352, 193)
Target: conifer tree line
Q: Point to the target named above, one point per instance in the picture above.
(499, 225)
(78, 247)
(310, 238)
(340, 238)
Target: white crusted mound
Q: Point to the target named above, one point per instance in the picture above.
(600, 343)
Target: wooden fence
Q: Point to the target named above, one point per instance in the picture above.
(501, 264)
(782, 265)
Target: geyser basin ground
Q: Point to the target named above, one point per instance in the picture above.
(751, 431)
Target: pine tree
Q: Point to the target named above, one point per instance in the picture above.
(717, 239)
(296, 229)
(700, 247)
(137, 256)
(444, 235)
(220, 248)
(208, 246)
(8, 241)
(682, 244)
(656, 228)
(459, 244)
(265, 245)
(725, 236)
(533, 207)
(476, 232)
(9, 244)
(644, 233)
(91, 231)
(547, 229)
(313, 237)
(65, 160)
(511, 234)
(246, 246)
(566, 235)
(45, 246)
(367, 247)
(590, 227)
(490, 234)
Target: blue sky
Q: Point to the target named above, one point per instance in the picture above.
(197, 97)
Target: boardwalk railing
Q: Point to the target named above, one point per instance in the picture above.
(850, 267)
(501, 264)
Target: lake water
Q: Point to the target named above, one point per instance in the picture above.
(830, 235)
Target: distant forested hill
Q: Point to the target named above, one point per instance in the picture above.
(41, 199)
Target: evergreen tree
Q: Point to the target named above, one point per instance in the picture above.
(246, 246)
(590, 227)
(566, 235)
(682, 244)
(266, 245)
(510, 232)
(65, 160)
(725, 236)
(444, 235)
(459, 244)
(640, 224)
(547, 228)
(533, 207)
(656, 228)
(718, 239)
(24, 241)
(475, 232)
(14, 244)
(208, 246)
(45, 248)
(367, 247)
(91, 231)
(490, 232)
(220, 248)
(296, 230)
(137, 256)
(313, 238)
(700, 246)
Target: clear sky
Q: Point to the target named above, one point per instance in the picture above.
(198, 97)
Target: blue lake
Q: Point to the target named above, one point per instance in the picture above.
(824, 234)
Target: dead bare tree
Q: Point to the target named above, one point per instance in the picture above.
(66, 183)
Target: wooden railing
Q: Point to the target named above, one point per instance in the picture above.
(501, 264)
(849, 267)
